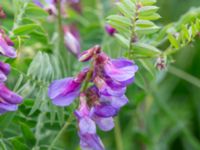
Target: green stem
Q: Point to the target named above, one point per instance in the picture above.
(69, 120)
(183, 75)
(88, 77)
(118, 135)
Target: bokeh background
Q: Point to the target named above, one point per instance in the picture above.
(162, 115)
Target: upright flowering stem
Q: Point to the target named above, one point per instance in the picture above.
(88, 77)
(118, 135)
(67, 123)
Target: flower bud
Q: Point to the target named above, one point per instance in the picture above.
(160, 63)
(81, 76)
(88, 54)
(110, 30)
(72, 39)
(2, 14)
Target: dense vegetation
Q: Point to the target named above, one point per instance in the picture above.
(45, 41)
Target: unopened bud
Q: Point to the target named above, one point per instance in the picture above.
(2, 14)
(88, 54)
(110, 30)
(161, 63)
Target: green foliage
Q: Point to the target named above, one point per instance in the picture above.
(184, 37)
(135, 26)
(163, 111)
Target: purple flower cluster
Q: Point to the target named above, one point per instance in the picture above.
(101, 96)
(8, 99)
(71, 33)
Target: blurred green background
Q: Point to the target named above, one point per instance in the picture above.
(165, 116)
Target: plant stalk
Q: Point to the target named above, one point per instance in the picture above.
(67, 123)
(118, 135)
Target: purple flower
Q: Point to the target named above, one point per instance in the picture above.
(121, 70)
(87, 127)
(105, 124)
(104, 105)
(106, 89)
(115, 101)
(90, 142)
(72, 39)
(110, 30)
(113, 75)
(6, 46)
(64, 91)
(8, 99)
(104, 110)
(86, 124)
(4, 71)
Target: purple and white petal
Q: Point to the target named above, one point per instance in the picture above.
(90, 142)
(5, 49)
(64, 91)
(115, 101)
(87, 126)
(8, 99)
(65, 99)
(72, 43)
(4, 71)
(88, 54)
(105, 89)
(121, 69)
(104, 110)
(105, 124)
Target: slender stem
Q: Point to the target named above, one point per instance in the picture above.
(67, 123)
(118, 135)
(89, 74)
(183, 75)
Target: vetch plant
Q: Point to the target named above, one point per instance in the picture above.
(120, 94)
